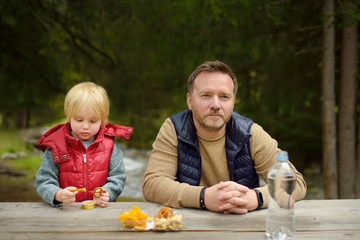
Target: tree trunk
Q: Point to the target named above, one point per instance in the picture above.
(5, 119)
(347, 108)
(328, 102)
(357, 185)
(22, 118)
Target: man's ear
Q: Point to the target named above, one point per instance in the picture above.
(188, 100)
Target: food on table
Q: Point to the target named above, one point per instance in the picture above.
(88, 204)
(165, 212)
(166, 220)
(168, 224)
(135, 218)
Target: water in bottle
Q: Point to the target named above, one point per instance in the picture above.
(280, 222)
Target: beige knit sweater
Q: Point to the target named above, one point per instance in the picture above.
(160, 183)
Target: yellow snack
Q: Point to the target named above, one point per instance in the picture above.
(88, 204)
(168, 220)
(135, 218)
(78, 190)
(173, 223)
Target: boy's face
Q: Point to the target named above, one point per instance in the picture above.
(85, 124)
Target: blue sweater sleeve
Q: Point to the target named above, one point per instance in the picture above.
(117, 174)
(47, 179)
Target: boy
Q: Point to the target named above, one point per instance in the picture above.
(82, 153)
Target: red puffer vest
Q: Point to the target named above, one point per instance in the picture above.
(80, 167)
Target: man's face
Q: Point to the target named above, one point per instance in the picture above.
(211, 102)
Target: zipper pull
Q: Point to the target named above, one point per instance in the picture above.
(84, 156)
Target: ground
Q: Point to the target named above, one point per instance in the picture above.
(16, 186)
(14, 192)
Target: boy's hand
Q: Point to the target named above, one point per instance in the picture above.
(103, 200)
(66, 196)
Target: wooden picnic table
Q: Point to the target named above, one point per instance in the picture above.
(315, 219)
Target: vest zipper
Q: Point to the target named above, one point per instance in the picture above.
(85, 175)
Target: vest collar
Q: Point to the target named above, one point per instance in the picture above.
(188, 131)
(235, 137)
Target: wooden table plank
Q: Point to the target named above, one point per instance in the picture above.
(328, 214)
(324, 219)
(195, 235)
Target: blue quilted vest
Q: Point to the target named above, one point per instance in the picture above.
(240, 163)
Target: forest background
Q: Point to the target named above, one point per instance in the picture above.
(142, 52)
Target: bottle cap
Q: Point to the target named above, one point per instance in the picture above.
(282, 156)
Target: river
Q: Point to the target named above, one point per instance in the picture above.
(135, 162)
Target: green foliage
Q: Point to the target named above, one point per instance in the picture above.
(143, 51)
(30, 164)
(350, 10)
(11, 142)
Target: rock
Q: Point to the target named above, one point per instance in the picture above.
(7, 170)
(13, 155)
(32, 135)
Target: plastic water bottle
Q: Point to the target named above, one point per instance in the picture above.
(280, 222)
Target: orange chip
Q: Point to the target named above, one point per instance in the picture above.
(135, 218)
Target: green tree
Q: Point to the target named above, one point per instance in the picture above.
(143, 51)
(28, 79)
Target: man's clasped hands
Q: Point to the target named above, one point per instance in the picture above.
(230, 197)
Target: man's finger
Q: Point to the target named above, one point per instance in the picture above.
(229, 185)
(230, 194)
(236, 210)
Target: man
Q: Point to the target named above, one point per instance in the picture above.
(208, 156)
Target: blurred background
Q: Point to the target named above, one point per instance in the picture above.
(295, 60)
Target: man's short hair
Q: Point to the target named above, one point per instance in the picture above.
(212, 66)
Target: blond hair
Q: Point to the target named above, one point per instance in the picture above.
(90, 94)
